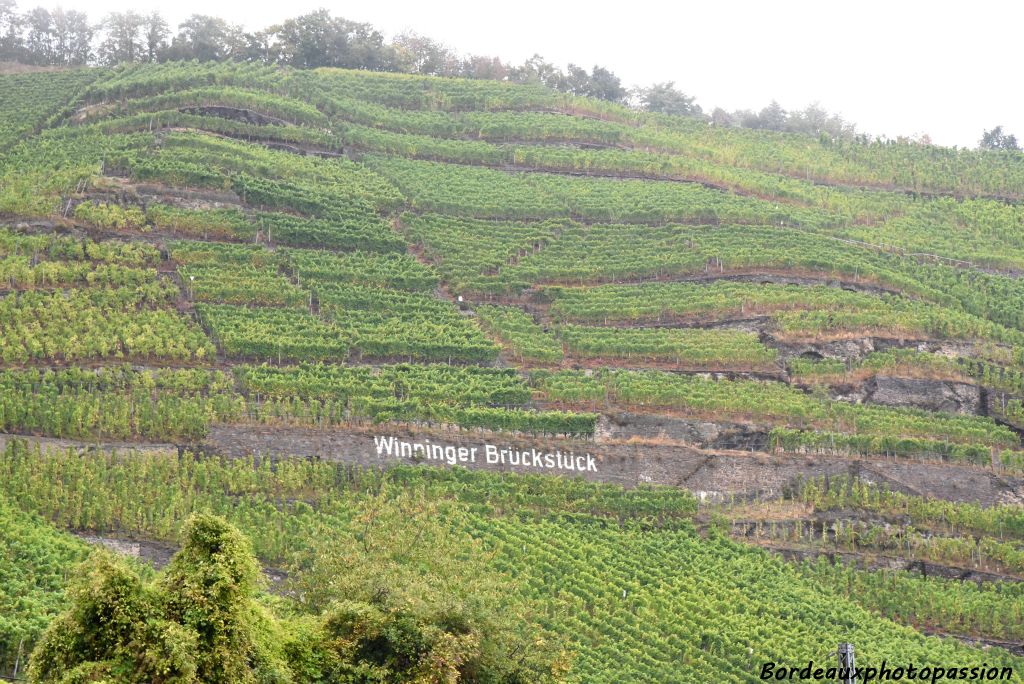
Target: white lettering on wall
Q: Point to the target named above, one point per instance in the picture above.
(516, 459)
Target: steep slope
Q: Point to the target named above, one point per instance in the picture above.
(237, 258)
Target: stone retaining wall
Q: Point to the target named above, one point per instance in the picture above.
(629, 464)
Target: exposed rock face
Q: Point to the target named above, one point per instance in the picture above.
(853, 350)
(932, 395)
(755, 324)
(155, 553)
(236, 114)
(622, 426)
(184, 198)
(847, 350)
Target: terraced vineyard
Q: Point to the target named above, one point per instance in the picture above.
(216, 259)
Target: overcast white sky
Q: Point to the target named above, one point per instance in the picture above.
(899, 67)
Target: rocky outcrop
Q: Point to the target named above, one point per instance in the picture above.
(855, 349)
(156, 554)
(185, 198)
(998, 404)
(704, 434)
(236, 114)
(931, 395)
(851, 351)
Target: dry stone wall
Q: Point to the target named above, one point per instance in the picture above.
(50, 443)
(707, 473)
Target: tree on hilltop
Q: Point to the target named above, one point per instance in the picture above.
(540, 71)
(773, 117)
(319, 40)
(155, 31)
(664, 98)
(11, 26)
(997, 140)
(208, 39)
(122, 38)
(600, 83)
(418, 54)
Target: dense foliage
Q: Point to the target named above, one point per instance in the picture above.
(192, 245)
(108, 323)
(33, 570)
(631, 598)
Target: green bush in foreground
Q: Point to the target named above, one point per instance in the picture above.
(199, 622)
(204, 619)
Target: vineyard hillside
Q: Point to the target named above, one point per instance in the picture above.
(697, 398)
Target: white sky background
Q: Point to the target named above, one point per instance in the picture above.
(900, 67)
